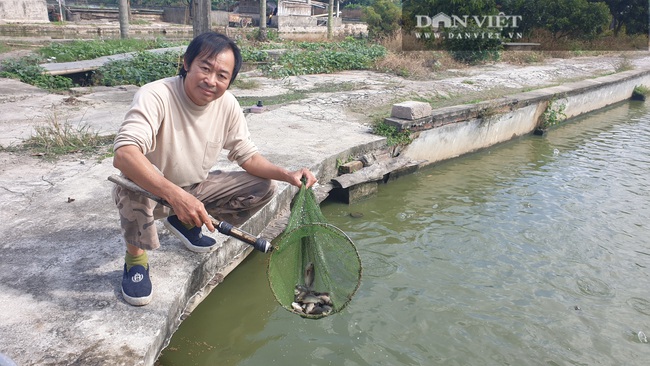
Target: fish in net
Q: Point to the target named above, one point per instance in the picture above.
(315, 268)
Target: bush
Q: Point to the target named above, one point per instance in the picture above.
(28, 70)
(472, 45)
(318, 58)
(143, 68)
(383, 18)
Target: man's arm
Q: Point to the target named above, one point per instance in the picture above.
(135, 166)
(259, 166)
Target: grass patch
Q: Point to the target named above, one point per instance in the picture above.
(304, 58)
(55, 138)
(641, 89)
(332, 87)
(245, 83)
(28, 70)
(393, 136)
(143, 68)
(87, 50)
(275, 99)
(4, 47)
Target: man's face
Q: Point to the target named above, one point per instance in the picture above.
(208, 78)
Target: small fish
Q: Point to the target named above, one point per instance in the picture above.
(309, 308)
(309, 275)
(300, 292)
(295, 306)
(311, 299)
(326, 309)
(301, 288)
(321, 310)
(325, 299)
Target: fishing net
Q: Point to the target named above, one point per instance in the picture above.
(315, 268)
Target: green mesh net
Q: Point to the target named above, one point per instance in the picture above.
(315, 268)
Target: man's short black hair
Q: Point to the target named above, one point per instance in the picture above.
(211, 44)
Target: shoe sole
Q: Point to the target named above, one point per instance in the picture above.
(186, 242)
(137, 301)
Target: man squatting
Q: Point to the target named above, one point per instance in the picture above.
(169, 140)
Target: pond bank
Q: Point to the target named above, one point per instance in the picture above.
(453, 131)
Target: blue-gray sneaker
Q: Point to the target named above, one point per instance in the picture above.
(193, 239)
(136, 285)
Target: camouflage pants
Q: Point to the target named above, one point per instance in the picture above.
(228, 196)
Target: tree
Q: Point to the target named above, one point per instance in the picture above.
(574, 18)
(383, 18)
(201, 16)
(330, 10)
(631, 14)
(123, 8)
(412, 8)
(262, 35)
(563, 18)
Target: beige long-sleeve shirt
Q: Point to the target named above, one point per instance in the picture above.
(181, 139)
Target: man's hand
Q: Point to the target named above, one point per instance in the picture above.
(258, 166)
(190, 210)
(296, 177)
(135, 166)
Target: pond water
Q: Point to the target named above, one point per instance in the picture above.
(536, 251)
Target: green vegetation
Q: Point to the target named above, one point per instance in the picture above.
(143, 68)
(570, 25)
(393, 136)
(244, 83)
(324, 57)
(553, 114)
(471, 50)
(28, 71)
(57, 138)
(383, 18)
(88, 50)
(642, 90)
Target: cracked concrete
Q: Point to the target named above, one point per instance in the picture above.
(61, 253)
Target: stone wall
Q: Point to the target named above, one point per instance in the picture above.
(453, 131)
(296, 27)
(23, 11)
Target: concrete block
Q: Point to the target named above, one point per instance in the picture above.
(361, 191)
(354, 193)
(350, 167)
(406, 170)
(411, 110)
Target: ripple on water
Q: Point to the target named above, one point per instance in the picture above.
(594, 287)
(640, 305)
(377, 265)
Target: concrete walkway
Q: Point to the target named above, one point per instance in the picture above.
(61, 252)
